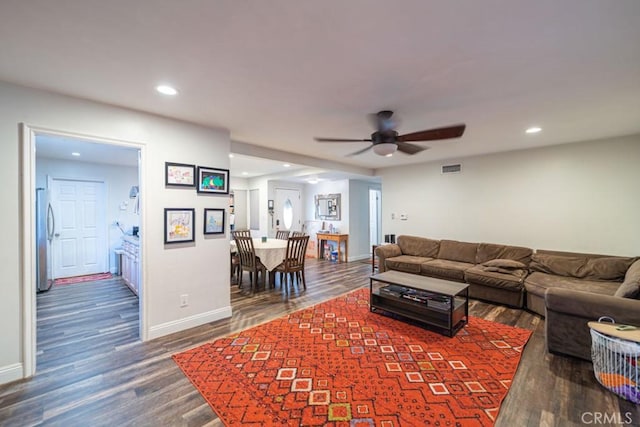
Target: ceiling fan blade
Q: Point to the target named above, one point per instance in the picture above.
(407, 148)
(360, 151)
(455, 131)
(341, 140)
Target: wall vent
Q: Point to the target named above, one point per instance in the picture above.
(452, 168)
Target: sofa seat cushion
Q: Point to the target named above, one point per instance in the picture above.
(445, 269)
(537, 283)
(509, 280)
(406, 263)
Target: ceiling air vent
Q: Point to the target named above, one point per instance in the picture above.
(452, 168)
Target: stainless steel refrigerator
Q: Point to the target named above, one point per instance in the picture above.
(45, 226)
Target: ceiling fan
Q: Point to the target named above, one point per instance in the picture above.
(385, 140)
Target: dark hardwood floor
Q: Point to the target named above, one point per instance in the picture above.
(92, 369)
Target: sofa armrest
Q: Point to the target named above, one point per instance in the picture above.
(386, 251)
(593, 306)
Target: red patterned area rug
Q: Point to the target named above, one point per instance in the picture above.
(338, 364)
(81, 279)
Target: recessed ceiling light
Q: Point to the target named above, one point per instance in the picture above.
(166, 90)
(388, 155)
(230, 156)
(286, 165)
(312, 181)
(533, 129)
(245, 173)
(75, 153)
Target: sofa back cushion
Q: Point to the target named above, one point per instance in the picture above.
(606, 268)
(630, 288)
(458, 251)
(568, 266)
(418, 246)
(583, 266)
(489, 251)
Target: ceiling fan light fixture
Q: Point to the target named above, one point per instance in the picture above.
(385, 148)
(167, 90)
(385, 140)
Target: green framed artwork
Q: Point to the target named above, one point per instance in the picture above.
(212, 180)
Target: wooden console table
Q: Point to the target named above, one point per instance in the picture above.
(339, 238)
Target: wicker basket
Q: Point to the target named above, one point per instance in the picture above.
(615, 365)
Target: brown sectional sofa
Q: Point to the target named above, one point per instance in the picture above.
(494, 272)
(570, 289)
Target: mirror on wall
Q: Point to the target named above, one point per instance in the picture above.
(328, 206)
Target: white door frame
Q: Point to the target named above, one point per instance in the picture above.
(28, 139)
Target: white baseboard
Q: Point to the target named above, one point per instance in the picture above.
(359, 257)
(11, 373)
(189, 322)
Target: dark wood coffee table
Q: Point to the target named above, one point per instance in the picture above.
(438, 303)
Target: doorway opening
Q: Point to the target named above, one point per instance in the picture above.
(375, 217)
(92, 209)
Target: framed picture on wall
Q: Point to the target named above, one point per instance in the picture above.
(179, 175)
(179, 225)
(214, 221)
(211, 180)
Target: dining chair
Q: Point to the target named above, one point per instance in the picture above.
(249, 262)
(235, 268)
(297, 233)
(282, 234)
(293, 263)
(244, 233)
(235, 259)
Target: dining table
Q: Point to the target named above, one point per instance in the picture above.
(271, 252)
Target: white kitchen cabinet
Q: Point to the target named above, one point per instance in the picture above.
(131, 262)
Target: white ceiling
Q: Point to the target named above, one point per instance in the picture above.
(62, 147)
(250, 167)
(277, 73)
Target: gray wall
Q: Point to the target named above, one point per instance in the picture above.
(582, 197)
(169, 271)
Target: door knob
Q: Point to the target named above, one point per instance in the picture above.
(57, 234)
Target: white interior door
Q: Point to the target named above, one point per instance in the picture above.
(79, 240)
(288, 209)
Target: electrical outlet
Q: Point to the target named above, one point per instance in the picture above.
(184, 300)
(393, 215)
